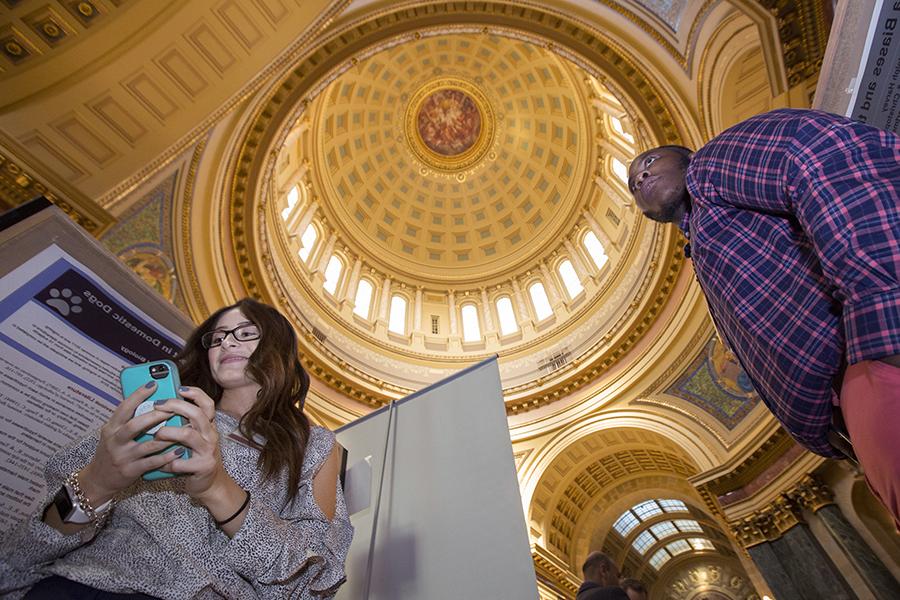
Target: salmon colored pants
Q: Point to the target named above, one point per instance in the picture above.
(870, 403)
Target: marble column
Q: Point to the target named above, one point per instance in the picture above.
(817, 497)
(870, 567)
(788, 555)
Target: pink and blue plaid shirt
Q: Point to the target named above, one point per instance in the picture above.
(794, 233)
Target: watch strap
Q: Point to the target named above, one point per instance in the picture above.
(81, 511)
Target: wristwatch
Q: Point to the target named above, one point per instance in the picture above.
(70, 509)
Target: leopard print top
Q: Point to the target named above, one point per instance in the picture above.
(158, 542)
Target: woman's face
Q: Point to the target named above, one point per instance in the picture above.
(228, 361)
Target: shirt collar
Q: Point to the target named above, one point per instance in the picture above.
(685, 226)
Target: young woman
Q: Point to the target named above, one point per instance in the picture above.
(255, 512)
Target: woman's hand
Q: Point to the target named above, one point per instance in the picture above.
(205, 477)
(119, 460)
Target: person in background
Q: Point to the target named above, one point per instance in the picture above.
(793, 224)
(601, 579)
(635, 589)
(255, 512)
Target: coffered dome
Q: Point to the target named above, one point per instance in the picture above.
(448, 195)
(457, 157)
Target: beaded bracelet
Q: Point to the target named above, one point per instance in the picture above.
(239, 511)
(96, 515)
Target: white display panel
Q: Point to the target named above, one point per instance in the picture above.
(450, 521)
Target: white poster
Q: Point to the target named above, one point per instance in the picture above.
(64, 337)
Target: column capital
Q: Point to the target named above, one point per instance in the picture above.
(812, 493)
(768, 524)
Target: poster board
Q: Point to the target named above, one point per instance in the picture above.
(71, 317)
(449, 521)
(861, 80)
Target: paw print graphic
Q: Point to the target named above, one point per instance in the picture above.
(64, 301)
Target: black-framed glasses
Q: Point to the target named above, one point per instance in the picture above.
(241, 333)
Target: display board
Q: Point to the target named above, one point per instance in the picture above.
(860, 75)
(71, 317)
(434, 497)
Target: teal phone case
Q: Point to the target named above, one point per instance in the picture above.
(136, 377)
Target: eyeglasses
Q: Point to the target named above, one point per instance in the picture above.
(241, 333)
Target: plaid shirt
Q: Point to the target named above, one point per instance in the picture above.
(795, 236)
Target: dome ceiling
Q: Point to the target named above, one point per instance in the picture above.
(469, 180)
(458, 157)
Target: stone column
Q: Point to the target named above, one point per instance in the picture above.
(816, 496)
(349, 300)
(451, 304)
(598, 231)
(325, 255)
(612, 193)
(788, 555)
(553, 292)
(384, 302)
(305, 219)
(580, 269)
(418, 334)
(490, 333)
(454, 340)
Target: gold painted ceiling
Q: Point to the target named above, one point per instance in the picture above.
(455, 169)
(457, 217)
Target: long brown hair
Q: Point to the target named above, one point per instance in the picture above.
(277, 414)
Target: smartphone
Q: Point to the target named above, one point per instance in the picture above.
(165, 374)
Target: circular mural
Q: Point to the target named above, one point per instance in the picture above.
(449, 122)
(450, 125)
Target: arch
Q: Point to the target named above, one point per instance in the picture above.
(309, 241)
(540, 303)
(506, 314)
(398, 314)
(365, 293)
(470, 321)
(569, 277)
(333, 272)
(594, 248)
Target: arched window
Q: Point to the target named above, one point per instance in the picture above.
(618, 128)
(507, 316)
(307, 242)
(363, 302)
(642, 511)
(333, 273)
(595, 249)
(397, 322)
(539, 300)
(570, 278)
(471, 330)
(620, 170)
(292, 198)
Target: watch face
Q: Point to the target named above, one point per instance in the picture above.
(63, 503)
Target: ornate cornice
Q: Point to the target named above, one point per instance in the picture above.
(19, 185)
(553, 571)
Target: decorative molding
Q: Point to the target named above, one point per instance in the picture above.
(553, 572)
(772, 522)
(19, 185)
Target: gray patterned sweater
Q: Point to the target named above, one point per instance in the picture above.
(157, 541)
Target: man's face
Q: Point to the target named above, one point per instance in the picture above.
(656, 180)
(610, 576)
